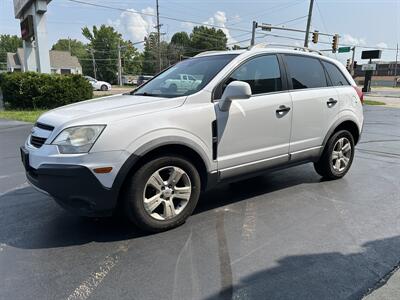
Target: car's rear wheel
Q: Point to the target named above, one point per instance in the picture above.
(173, 88)
(337, 157)
(104, 88)
(162, 193)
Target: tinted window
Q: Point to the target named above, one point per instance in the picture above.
(336, 76)
(262, 73)
(305, 72)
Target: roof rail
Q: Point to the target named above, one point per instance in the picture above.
(304, 49)
(207, 52)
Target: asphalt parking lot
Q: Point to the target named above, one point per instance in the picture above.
(286, 235)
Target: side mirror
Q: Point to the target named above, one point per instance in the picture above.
(234, 91)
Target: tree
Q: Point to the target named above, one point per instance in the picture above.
(204, 38)
(132, 60)
(179, 46)
(236, 47)
(78, 49)
(8, 43)
(103, 42)
(181, 39)
(150, 55)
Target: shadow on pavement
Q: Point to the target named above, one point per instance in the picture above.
(33, 221)
(264, 184)
(331, 275)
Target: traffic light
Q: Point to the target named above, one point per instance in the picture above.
(335, 43)
(315, 36)
(348, 64)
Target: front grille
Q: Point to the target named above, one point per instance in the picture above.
(44, 126)
(37, 141)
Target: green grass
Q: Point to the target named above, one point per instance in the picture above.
(21, 115)
(372, 102)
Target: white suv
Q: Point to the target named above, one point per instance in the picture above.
(151, 152)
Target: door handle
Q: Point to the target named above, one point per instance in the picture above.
(282, 110)
(331, 102)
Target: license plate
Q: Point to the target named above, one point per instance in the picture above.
(25, 158)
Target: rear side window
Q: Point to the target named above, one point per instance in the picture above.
(261, 73)
(305, 72)
(335, 75)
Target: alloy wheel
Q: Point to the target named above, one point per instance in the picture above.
(166, 193)
(341, 154)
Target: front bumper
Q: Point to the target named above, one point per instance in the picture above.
(75, 188)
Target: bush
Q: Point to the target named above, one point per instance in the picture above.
(43, 91)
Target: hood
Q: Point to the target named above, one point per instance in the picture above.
(106, 109)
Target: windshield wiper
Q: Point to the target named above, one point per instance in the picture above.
(145, 94)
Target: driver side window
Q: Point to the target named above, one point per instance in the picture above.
(261, 73)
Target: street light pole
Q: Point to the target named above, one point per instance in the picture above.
(94, 64)
(352, 60)
(395, 66)
(310, 9)
(119, 64)
(158, 38)
(253, 34)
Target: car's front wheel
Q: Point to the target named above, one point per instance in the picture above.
(162, 193)
(337, 157)
(104, 88)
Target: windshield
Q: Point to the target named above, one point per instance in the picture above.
(186, 77)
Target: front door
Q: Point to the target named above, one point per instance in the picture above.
(254, 133)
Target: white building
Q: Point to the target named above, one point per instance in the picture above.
(61, 62)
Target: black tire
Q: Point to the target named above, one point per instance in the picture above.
(104, 88)
(173, 88)
(324, 166)
(133, 203)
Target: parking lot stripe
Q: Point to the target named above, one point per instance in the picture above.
(86, 288)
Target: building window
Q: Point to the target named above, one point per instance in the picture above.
(65, 71)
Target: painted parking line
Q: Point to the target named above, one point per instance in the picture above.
(87, 287)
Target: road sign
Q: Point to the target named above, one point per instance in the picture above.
(344, 49)
(27, 31)
(371, 54)
(266, 27)
(368, 67)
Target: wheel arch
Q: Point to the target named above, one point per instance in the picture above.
(344, 124)
(158, 148)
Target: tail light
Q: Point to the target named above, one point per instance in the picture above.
(359, 93)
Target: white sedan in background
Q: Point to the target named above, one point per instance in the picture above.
(98, 85)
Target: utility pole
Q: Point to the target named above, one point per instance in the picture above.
(308, 23)
(352, 60)
(158, 37)
(94, 64)
(253, 33)
(395, 66)
(119, 64)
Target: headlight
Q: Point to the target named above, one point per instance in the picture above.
(78, 139)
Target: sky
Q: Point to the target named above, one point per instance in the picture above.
(361, 23)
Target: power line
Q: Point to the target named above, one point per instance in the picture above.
(270, 11)
(153, 15)
(291, 20)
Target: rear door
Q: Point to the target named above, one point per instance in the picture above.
(311, 96)
(344, 91)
